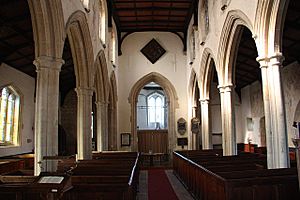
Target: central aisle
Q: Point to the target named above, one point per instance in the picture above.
(159, 187)
(156, 184)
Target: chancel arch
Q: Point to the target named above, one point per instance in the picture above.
(82, 52)
(171, 99)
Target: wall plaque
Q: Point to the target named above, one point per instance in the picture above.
(181, 126)
(153, 51)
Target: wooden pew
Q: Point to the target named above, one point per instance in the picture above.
(12, 187)
(28, 160)
(11, 165)
(235, 182)
(109, 176)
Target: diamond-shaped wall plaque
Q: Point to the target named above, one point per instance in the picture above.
(153, 51)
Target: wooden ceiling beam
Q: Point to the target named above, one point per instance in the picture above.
(16, 30)
(10, 48)
(126, 29)
(147, 15)
(146, 8)
(150, 1)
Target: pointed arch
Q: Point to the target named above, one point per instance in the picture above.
(112, 113)
(193, 80)
(269, 24)
(101, 78)
(194, 103)
(230, 38)
(275, 31)
(206, 76)
(172, 100)
(81, 48)
(48, 27)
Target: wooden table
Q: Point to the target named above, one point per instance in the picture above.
(151, 156)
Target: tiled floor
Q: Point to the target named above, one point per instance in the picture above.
(179, 189)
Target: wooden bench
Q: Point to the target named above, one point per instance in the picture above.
(225, 181)
(109, 176)
(11, 165)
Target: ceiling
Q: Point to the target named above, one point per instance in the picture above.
(152, 15)
(17, 45)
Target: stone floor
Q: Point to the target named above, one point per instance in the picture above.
(179, 189)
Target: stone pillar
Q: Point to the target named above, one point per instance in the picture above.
(269, 136)
(228, 120)
(296, 142)
(46, 113)
(205, 125)
(84, 122)
(101, 126)
(278, 122)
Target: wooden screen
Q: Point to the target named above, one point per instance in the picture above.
(153, 140)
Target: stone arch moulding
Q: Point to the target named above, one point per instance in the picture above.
(112, 114)
(275, 31)
(48, 27)
(269, 23)
(230, 37)
(206, 76)
(101, 78)
(193, 79)
(172, 100)
(191, 97)
(81, 48)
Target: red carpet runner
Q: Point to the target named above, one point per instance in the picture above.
(159, 187)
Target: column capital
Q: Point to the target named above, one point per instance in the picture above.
(204, 101)
(48, 63)
(84, 91)
(101, 103)
(226, 88)
(276, 59)
(263, 61)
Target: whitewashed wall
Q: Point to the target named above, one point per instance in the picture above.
(291, 91)
(26, 85)
(252, 104)
(133, 65)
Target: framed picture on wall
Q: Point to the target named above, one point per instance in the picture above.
(125, 139)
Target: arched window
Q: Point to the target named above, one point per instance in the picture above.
(102, 22)
(156, 108)
(113, 49)
(9, 116)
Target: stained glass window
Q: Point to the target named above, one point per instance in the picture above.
(9, 116)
